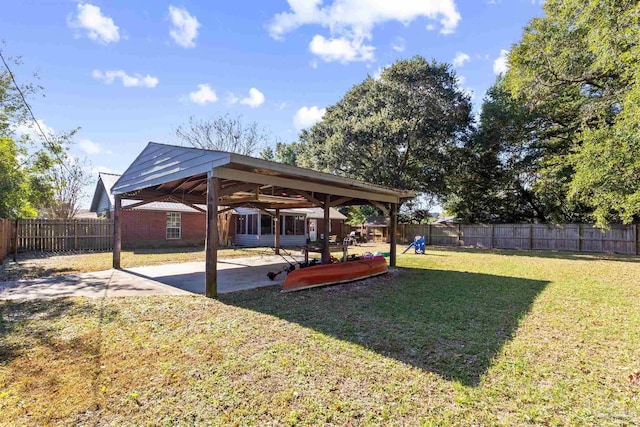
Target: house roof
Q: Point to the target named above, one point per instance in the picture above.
(106, 182)
(168, 172)
(376, 221)
(310, 213)
(103, 189)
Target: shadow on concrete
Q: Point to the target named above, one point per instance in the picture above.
(448, 322)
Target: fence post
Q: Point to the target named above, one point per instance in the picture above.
(429, 235)
(492, 235)
(15, 245)
(530, 237)
(459, 234)
(579, 237)
(75, 234)
(635, 239)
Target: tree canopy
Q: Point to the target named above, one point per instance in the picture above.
(398, 130)
(37, 174)
(559, 134)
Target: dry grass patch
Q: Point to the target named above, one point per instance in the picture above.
(454, 337)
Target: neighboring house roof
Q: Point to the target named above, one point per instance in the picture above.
(318, 213)
(310, 213)
(85, 214)
(446, 220)
(103, 200)
(376, 221)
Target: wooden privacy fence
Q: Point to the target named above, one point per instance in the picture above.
(621, 239)
(5, 238)
(61, 235)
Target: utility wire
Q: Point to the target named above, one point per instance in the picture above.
(26, 104)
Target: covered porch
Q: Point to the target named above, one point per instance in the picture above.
(226, 181)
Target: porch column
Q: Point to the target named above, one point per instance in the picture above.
(393, 231)
(277, 232)
(211, 265)
(326, 254)
(117, 231)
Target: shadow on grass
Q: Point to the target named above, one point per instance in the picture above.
(551, 254)
(447, 322)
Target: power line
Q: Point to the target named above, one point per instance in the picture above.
(26, 104)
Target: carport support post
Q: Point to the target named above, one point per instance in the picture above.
(117, 231)
(277, 232)
(211, 264)
(393, 237)
(326, 255)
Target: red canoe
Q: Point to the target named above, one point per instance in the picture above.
(331, 274)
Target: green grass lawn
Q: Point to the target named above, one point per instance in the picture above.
(460, 337)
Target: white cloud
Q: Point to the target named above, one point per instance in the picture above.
(358, 17)
(500, 65)
(91, 147)
(460, 59)
(98, 26)
(184, 27)
(351, 22)
(378, 73)
(30, 129)
(306, 117)
(203, 95)
(399, 44)
(431, 27)
(340, 49)
(255, 98)
(136, 80)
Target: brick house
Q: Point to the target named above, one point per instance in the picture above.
(164, 224)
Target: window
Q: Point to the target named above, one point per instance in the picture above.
(288, 226)
(247, 224)
(173, 225)
(299, 223)
(241, 224)
(292, 225)
(266, 225)
(252, 224)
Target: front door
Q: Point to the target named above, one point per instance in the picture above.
(313, 230)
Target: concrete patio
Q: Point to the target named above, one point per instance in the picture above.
(234, 274)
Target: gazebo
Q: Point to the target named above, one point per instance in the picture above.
(224, 181)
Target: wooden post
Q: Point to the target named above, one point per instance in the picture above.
(393, 237)
(579, 237)
(635, 239)
(459, 234)
(277, 232)
(492, 235)
(429, 234)
(117, 232)
(530, 236)
(211, 263)
(15, 243)
(326, 255)
(75, 234)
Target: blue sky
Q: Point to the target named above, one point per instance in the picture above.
(131, 72)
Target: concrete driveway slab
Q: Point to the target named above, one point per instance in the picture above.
(170, 279)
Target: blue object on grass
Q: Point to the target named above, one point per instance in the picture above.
(417, 245)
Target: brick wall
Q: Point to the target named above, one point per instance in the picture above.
(148, 229)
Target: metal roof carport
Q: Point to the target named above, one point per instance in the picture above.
(227, 180)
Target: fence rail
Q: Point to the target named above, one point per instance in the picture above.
(621, 239)
(63, 235)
